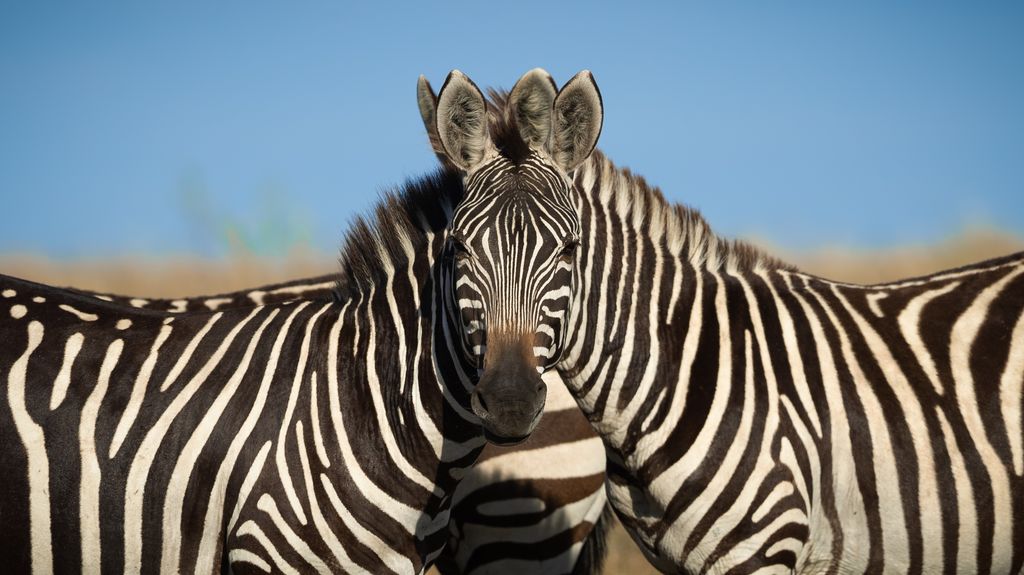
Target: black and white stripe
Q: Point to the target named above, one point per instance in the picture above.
(536, 506)
(757, 419)
(300, 436)
(773, 420)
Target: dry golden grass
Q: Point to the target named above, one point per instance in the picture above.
(185, 276)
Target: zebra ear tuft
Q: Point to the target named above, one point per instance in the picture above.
(462, 121)
(531, 103)
(578, 117)
(426, 99)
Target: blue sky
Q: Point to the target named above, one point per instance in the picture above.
(137, 130)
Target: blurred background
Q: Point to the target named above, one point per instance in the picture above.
(198, 147)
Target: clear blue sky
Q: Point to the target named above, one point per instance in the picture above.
(127, 129)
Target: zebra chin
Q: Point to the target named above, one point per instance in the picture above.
(509, 426)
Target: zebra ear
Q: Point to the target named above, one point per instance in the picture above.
(426, 99)
(579, 115)
(462, 121)
(531, 102)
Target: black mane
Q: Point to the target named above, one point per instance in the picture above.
(503, 128)
(408, 215)
(420, 208)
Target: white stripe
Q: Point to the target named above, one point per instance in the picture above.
(392, 450)
(333, 544)
(873, 299)
(846, 488)
(79, 314)
(887, 478)
(1011, 389)
(60, 385)
(726, 469)
(32, 438)
(664, 486)
(214, 303)
(190, 349)
(247, 484)
(927, 489)
(394, 560)
(779, 492)
(246, 556)
(215, 513)
(962, 340)
(131, 411)
(967, 537)
(654, 441)
(251, 528)
(174, 496)
(318, 438)
(796, 361)
(138, 474)
(406, 516)
(543, 463)
(267, 505)
(293, 397)
(89, 488)
(909, 322)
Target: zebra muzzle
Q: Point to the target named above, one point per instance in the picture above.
(509, 402)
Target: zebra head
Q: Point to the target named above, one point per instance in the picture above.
(510, 259)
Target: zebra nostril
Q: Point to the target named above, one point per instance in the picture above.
(482, 402)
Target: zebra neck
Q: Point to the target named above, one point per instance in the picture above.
(650, 309)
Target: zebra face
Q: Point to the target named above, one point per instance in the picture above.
(509, 263)
(510, 257)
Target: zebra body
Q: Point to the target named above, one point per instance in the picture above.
(528, 507)
(300, 436)
(757, 419)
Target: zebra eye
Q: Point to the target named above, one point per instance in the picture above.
(569, 248)
(456, 247)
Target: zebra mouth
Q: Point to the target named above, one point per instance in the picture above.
(503, 441)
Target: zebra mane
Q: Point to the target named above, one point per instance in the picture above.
(406, 218)
(637, 201)
(681, 228)
(398, 230)
(503, 128)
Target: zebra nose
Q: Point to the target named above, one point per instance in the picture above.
(508, 409)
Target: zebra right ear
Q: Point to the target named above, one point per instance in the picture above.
(531, 103)
(462, 122)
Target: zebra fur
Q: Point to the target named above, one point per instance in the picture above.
(142, 440)
(536, 506)
(771, 419)
(758, 419)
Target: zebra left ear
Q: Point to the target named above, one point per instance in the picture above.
(579, 115)
(530, 102)
(426, 99)
(462, 122)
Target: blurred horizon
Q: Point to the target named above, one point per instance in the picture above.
(203, 130)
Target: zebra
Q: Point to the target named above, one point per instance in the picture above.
(167, 423)
(755, 418)
(538, 506)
